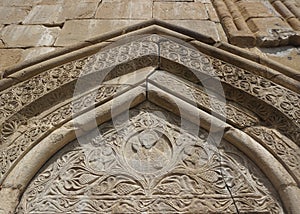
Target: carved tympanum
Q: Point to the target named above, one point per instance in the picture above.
(148, 163)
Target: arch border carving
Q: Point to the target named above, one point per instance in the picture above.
(21, 175)
(156, 52)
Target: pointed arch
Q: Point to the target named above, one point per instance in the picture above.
(37, 116)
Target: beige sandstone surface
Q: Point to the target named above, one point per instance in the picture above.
(52, 23)
(137, 106)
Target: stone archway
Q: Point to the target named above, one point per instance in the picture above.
(34, 130)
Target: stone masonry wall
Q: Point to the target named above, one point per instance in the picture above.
(29, 28)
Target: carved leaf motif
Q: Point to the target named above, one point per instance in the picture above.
(69, 184)
(125, 189)
(40, 127)
(285, 150)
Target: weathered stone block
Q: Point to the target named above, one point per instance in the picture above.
(9, 57)
(82, 9)
(17, 2)
(174, 0)
(213, 16)
(79, 30)
(35, 52)
(57, 14)
(28, 35)
(179, 10)
(270, 31)
(288, 56)
(54, 2)
(242, 39)
(221, 33)
(267, 24)
(45, 14)
(205, 27)
(12, 15)
(118, 9)
(255, 9)
(203, 1)
(49, 2)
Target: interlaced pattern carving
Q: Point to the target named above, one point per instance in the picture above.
(210, 103)
(288, 153)
(148, 164)
(42, 126)
(15, 101)
(16, 97)
(283, 99)
(190, 62)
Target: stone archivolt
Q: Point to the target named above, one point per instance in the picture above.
(286, 151)
(33, 109)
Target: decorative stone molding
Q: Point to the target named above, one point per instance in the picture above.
(280, 147)
(289, 11)
(39, 127)
(195, 95)
(15, 98)
(247, 83)
(162, 71)
(18, 98)
(235, 27)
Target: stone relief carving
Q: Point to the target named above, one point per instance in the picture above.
(272, 117)
(149, 164)
(17, 104)
(287, 153)
(41, 126)
(196, 95)
(239, 78)
(16, 97)
(276, 96)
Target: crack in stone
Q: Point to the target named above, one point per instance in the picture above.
(227, 186)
